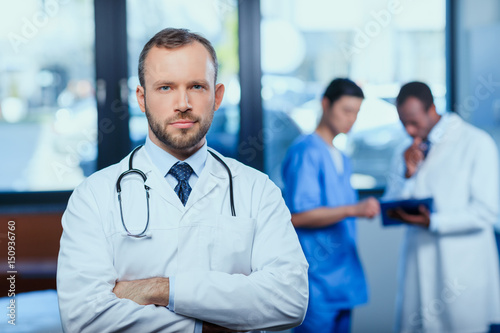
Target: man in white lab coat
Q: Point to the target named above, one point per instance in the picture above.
(171, 256)
(449, 273)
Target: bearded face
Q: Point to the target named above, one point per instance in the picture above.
(190, 131)
(179, 97)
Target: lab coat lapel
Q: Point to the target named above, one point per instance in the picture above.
(446, 135)
(212, 174)
(155, 180)
(441, 142)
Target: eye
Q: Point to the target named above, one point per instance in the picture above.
(165, 88)
(197, 87)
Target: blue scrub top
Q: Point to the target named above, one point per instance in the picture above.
(336, 278)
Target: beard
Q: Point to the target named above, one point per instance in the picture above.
(187, 137)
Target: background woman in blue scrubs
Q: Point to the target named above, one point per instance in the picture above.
(324, 207)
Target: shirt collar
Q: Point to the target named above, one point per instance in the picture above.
(164, 161)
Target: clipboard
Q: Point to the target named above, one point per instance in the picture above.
(410, 206)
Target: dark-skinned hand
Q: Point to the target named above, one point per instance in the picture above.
(422, 219)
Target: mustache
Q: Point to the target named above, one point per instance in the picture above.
(183, 116)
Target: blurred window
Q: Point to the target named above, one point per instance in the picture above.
(47, 102)
(217, 20)
(379, 44)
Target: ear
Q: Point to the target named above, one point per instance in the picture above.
(140, 94)
(219, 93)
(432, 114)
(432, 110)
(325, 104)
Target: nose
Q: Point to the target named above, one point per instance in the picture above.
(183, 103)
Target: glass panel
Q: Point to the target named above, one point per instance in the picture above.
(217, 20)
(48, 111)
(377, 43)
(478, 73)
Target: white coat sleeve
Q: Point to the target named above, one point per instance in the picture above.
(86, 278)
(481, 211)
(273, 296)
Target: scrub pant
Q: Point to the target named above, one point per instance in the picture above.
(326, 322)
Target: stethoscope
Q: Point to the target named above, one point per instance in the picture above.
(131, 170)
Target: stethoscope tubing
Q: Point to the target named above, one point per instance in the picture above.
(147, 188)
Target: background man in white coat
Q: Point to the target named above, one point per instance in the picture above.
(449, 276)
(199, 267)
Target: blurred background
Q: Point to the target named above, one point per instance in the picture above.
(68, 74)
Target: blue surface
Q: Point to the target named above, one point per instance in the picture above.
(35, 312)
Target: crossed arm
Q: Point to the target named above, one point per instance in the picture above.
(145, 291)
(155, 291)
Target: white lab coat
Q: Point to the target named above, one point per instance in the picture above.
(245, 272)
(449, 273)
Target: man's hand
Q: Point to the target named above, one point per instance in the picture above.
(212, 328)
(413, 156)
(144, 292)
(423, 219)
(367, 208)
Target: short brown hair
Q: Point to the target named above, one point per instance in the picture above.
(172, 38)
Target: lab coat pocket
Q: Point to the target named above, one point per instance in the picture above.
(234, 242)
